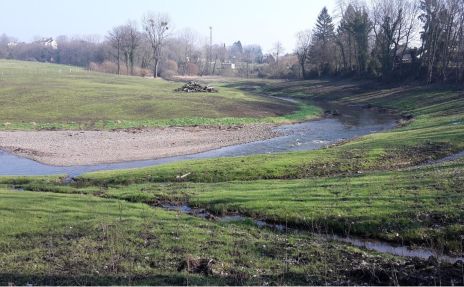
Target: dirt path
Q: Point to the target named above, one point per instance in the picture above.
(66, 148)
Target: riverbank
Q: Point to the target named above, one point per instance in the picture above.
(68, 148)
(94, 145)
(367, 188)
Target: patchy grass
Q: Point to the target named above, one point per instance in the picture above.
(55, 239)
(360, 187)
(436, 130)
(48, 96)
(422, 207)
(415, 207)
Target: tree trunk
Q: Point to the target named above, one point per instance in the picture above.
(214, 66)
(131, 62)
(119, 61)
(303, 71)
(342, 52)
(350, 53)
(155, 71)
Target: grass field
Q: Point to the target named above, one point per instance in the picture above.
(81, 240)
(345, 177)
(436, 130)
(421, 207)
(101, 229)
(48, 96)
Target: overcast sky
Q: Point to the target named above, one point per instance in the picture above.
(251, 21)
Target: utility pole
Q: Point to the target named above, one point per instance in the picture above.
(210, 47)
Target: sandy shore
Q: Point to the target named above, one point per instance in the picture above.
(66, 148)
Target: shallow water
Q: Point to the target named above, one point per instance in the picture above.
(404, 251)
(351, 123)
(370, 244)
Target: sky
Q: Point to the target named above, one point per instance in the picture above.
(260, 22)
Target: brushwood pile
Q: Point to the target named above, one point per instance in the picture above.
(195, 87)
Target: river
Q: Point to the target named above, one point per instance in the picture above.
(348, 123)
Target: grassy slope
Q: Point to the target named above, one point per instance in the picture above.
(81, 240)
(46, 96)
(433, 133)
(419, 206)
(423, 206)
(437, 130)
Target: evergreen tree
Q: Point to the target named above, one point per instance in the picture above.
(324, 30)
(323, 42)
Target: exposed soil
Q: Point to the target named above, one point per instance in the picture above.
(67, 148)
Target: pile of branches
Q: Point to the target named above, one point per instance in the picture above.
(194, 87)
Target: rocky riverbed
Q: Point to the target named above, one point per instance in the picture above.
(68, 148)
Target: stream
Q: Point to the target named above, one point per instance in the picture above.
(348, 123)
(370, 244)
(342, 123)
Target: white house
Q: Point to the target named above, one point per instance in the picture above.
(228, 66)
(49, 42)
(12, 44)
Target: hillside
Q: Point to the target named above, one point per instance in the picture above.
(48, 96)
(219, 215)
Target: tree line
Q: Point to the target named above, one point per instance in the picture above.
(145, 48)
(384, 39)
(387, 39)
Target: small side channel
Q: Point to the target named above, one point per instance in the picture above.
(369, 244)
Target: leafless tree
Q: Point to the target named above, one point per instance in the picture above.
(393, 22)
(187, 39)
(130, 42)
(452, 24)
(156, 28)
(303, 48)
(277, 50)
(115, 37)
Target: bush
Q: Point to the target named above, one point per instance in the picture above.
(105, 67)
(192, 69)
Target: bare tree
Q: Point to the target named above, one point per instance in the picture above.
(303, 48)
(277, 50)
(452, 26)
(130, 42)
(115, 37)
(187, 39)
(393, 24)
(156, 28)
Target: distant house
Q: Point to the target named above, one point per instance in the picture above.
(12, 44)
(228, 65)
(268, 59)
(48, 42)
(405, 55)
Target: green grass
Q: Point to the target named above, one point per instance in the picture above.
(48, 96)
(422, 207)
(437, 130)
(419, 206)
(54, 239)
(362, 188)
